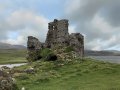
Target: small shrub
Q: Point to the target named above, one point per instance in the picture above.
(44, 52)
(15, 87)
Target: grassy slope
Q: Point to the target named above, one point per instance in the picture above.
(71, 75)
(12, 56)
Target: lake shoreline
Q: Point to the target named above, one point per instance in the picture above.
(109, 59)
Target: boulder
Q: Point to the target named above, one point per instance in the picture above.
(30, 71)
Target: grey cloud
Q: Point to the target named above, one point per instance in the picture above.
(111, 12)
(26, 23)
(83, 16)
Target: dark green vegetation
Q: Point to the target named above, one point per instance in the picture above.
(43, 54)
(12, 56)
(74, 74)
(69, 49)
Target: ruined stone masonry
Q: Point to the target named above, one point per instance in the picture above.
(57, 33)
(34, 46)
(57, 36)
(77, 42)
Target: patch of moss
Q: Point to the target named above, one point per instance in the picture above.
(69, 49)
(44, 52)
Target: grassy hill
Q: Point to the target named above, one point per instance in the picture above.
(9, 46)
(75, 74)
(70, 74)
(8, 56)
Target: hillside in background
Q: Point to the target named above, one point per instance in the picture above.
(12, 56)
(12, 53)
(102, 53)
(9, 46)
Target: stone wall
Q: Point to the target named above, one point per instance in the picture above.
(33, 48)
(57, 33)
(77, 42)
(33, 43)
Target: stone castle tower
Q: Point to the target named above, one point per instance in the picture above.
(57, 36)
(57, 33)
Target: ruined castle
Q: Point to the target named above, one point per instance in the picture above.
(57, 35)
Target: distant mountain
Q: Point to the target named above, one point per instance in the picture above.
(102, 53)
(114, 51)
(9, 46)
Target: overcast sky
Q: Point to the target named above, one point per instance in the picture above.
(97, 20)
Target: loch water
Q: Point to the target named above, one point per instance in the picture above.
(111, 59)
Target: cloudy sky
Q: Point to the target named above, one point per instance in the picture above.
(97, 20)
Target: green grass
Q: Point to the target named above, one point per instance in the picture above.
(76, 74)
(71, 75)
(12, 56)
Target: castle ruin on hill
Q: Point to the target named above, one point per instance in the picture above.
(57, 35)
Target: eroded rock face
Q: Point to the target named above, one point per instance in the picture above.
(34, 46)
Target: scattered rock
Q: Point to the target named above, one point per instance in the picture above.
(23, 88)
(5, 67)
(30, 71)
(7, 82)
